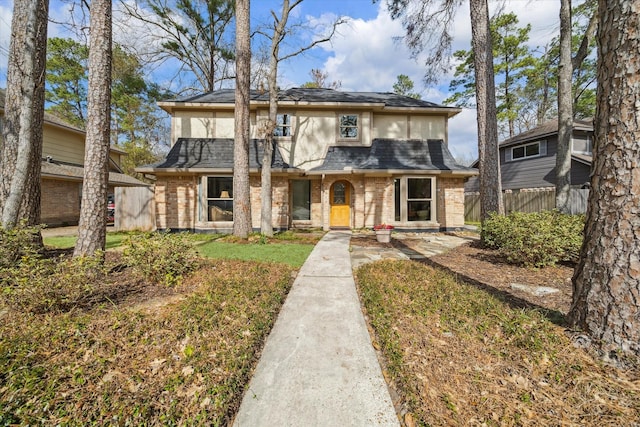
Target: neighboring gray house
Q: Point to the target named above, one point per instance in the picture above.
(528, 160)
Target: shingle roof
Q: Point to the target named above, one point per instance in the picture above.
(315, 95)
(61, 170)
(545, 129)
(212, 153)
(389, 154)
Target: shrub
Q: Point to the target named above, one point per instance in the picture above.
(40, 285)
(535, 239)
(160, 257)
(17, 242)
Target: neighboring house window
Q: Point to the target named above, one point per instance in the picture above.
(219, 200)
(349, 126)
(582, 145)
(414, 199)
(301, 200)
(519, 152)
(283, 126)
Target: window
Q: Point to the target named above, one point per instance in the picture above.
(283, 126)
(219, 198)
(534, 149)
(414, 199)
(581, 145)
(301, 200)
(348, 126)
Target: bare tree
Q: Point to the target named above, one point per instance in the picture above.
(21, 143)
(93, 209)
(241, 187)
(606, 283)
(277, 36)
(566, 66)
(320, 80)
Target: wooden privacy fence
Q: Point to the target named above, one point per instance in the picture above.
(527, 201)
(135, 209)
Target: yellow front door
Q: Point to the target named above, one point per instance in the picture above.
(340, 198)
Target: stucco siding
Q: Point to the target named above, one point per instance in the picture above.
(390, 126)
(428, 127)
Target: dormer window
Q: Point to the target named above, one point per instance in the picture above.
(283, 126)
(348, 124)
(525, 151)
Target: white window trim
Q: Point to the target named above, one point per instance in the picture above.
(291, 125)
(589, 146)
(204, 205)
(542, 151)
(358, 127)
(404, 201)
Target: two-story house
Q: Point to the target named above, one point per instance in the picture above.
(62, 170)
(341, 160)
(528, 160)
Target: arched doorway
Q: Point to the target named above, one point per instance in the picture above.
(340, 201)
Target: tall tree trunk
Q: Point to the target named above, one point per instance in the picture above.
(93, 210)
(565, 111)
(241, 188)
(21, 145)
(266, 222)
(490, 184)
(606, 283)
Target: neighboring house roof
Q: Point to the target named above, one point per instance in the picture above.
(73, 172)
(210, 154)
(314, 96)
(546, 129)
(391, 155)
(582, 158)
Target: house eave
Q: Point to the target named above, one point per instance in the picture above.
(389, 172)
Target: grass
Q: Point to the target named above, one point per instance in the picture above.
(183, 361)
(459, 356)
(285, 253)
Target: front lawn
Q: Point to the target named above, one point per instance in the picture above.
(461, 356)
(286, 253)
(150, 355)
(159, 336)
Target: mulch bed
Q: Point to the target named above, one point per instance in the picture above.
(484, 268)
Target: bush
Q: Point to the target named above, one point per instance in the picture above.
(535, 239)
(40, 285)
(160, 257)
(18, 242)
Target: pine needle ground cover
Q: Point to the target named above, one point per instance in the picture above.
(180, 357)
(460, 356)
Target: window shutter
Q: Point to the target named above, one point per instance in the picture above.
(507, 154)
(543, 148)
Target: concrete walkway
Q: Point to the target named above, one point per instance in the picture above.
(318, 367)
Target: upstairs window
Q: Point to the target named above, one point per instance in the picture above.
(348, 126)
(519, 152)
(582, 145)
(283, 126)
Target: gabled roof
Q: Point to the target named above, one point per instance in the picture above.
(316, 96)
(197, 154)
(546, 129)
(393, 155)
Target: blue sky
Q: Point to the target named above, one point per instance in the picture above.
(365, 54)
